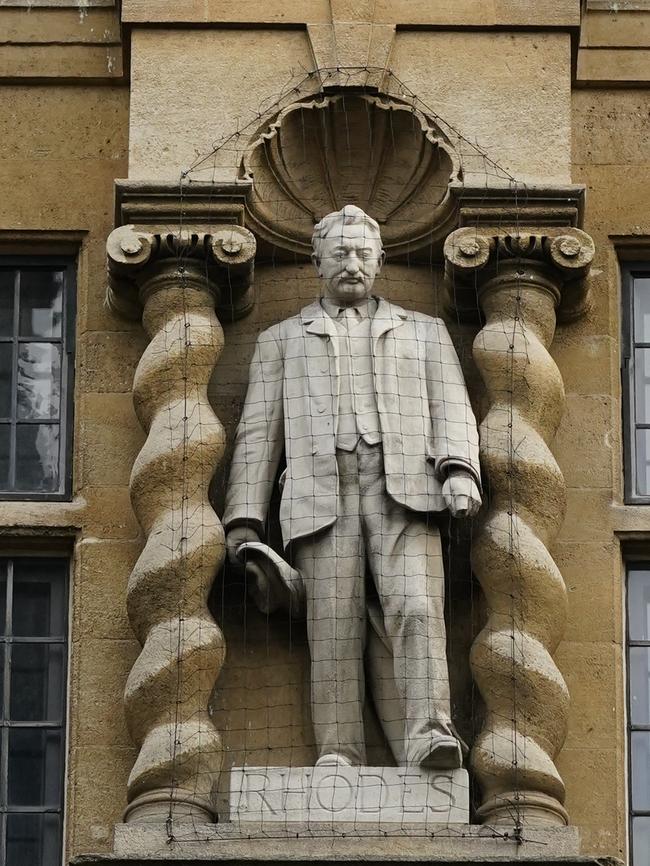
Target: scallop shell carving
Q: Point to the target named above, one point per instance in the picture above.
(377, 152)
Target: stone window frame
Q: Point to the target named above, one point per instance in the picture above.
(45, 550)
(68, 263)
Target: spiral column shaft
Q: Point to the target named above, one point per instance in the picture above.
(519, 282)
(183, 649)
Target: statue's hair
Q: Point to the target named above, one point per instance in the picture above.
(349, 215)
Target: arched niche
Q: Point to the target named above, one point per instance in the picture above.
(351, 147)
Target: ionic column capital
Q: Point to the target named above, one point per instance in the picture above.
(221, 258)
(480, 258)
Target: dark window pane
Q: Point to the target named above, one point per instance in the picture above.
(39, 380)
(639, 685)
(6, 384)
(643, 462)
(638, 604)
(37, 682)
(3, 649)
(41, 303)
(642, 385)
(7, 283)
(33, 840)
(5, 447)
(3, 597)
(640, 770)
(39, 598)
(641, 841)
(641, 288)
(35, 765)
(37, 457)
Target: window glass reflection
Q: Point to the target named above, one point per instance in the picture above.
(642, 385)
(640, 746)
(37, 457)
(642, 310)
(643, 462)
(6, 379)
(41, 303)
(640, 685)
(638, 604)
(39, 380)
(35, 355)
(641, 841)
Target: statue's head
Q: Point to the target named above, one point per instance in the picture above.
(347, 254)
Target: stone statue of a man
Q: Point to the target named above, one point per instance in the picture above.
(367, 403)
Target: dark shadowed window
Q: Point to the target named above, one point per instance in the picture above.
(36, 369)
(33, 655)
(638, 663)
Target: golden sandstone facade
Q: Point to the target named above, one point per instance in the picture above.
(142, 114)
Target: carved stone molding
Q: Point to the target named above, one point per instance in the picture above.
(520, 281)
(174, 282)
(351, 147)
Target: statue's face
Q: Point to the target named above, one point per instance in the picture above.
(348, 260)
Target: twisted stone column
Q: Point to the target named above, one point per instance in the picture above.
(175, 280)
(521, 280)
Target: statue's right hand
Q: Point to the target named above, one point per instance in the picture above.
(236, 536)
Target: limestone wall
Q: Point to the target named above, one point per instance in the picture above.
(62, 147)
(467, 78)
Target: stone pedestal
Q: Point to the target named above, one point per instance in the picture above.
(378, 795)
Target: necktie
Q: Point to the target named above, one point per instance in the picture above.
(349, 316)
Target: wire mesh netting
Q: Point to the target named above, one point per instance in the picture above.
(350, 401)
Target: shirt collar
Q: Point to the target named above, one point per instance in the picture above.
(366, 308)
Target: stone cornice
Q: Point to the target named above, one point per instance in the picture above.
(520, 205)
(160, 206)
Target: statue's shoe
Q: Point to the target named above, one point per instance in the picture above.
(445, 754)
(333, 759)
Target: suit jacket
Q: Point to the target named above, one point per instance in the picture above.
(427, 423)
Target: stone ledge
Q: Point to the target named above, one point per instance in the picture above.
(148, 844)
(111, 860)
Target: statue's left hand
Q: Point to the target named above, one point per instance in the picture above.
(461, 494)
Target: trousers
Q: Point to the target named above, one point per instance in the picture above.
(402, 551)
